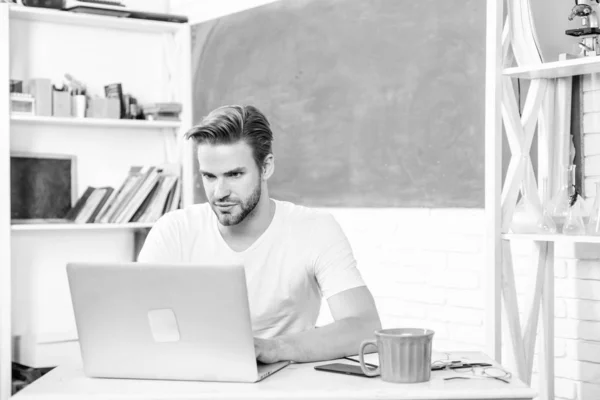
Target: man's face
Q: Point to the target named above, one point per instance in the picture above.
(232, 181)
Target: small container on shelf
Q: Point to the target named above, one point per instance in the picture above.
(529, 215)
(22, 104)
(61, 102)
(546, 224)
(526, 215)
(567, 206)
(79, 105)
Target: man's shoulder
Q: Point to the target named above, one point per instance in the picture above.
(305, 217)
(182, 217)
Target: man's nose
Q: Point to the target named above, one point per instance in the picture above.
(221, 189)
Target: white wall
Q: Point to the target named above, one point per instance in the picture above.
(577, 313)
(424, 268)
(551, 18)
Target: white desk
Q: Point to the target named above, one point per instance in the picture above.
(296, 381)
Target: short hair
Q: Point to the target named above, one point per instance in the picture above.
(233, 123)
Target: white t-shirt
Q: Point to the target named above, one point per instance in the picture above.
(302, 256)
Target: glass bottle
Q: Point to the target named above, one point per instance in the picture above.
(527, 214)
(545, 223)
(567, 206)
(593, 225)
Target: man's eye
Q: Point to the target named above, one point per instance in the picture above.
(208, 176)
(236, 174)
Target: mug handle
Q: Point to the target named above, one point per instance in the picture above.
(361, 354)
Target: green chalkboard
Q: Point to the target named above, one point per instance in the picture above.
(373, 103)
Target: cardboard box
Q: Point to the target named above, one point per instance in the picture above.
(61, 104)
(100, 107)
(41, 89)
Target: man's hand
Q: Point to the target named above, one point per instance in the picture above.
(267, 350)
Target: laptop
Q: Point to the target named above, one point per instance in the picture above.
(165, 321)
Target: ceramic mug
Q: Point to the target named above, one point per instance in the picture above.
(404, 355)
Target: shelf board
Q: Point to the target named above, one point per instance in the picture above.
(552, 237)
(89, 20)
(556, 69)
(94, 122)
(79, 227)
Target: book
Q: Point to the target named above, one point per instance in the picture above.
(106, 206)
(76, 209)
(165, 107)
(135, 178)
(107, 211)
(156, 208)
(107, 195)
(170, 197)
(143, 210)
(142, 191)
(175, 203)
(115, 90)
(90, 205)
(146, 193)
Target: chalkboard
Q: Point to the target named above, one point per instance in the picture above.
(376, 103)
(41, 186)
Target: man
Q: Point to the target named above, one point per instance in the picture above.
(292, 255)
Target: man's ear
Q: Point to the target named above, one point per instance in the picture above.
(268, 167)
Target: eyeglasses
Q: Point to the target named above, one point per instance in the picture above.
(469, 370)
(459, 365)
(444, 362)
(483, 373)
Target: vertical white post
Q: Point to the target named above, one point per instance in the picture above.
(546, 359)
(546, 141)
(185, 89)
(493, 178)
(511, 305)
(562, 138)
(5, 272)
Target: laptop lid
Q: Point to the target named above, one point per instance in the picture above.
(155, 321)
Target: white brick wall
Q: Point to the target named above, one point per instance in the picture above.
(418, 278)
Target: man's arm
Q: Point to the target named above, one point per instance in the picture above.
(356, 319)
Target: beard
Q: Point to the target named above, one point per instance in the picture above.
(240, 211)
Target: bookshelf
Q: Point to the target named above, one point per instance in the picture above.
(511, 39)
(152, 61)
(556, 238)
(94, 122)
(68, 18)
(5, 233)
(78, 227)
(556, 69)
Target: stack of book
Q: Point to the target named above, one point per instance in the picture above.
(162, 111)
(146, 194)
